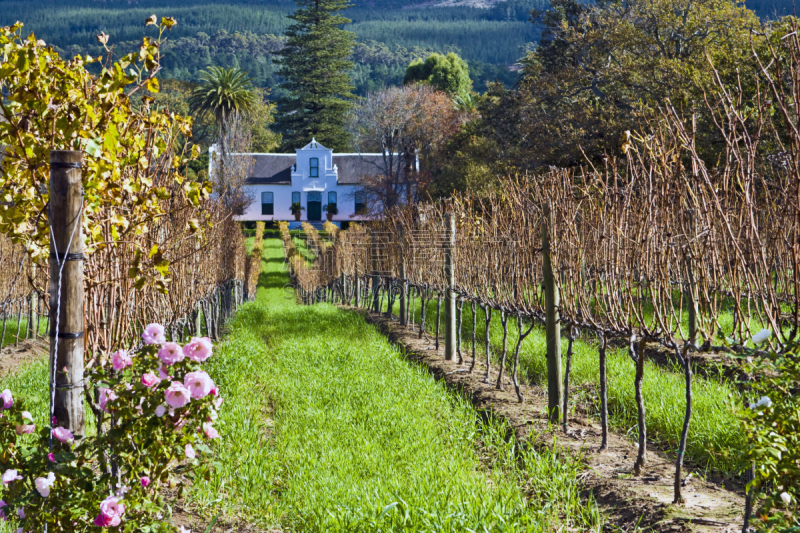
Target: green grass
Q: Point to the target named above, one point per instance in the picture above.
(11, 329)
(327, 428)
(302, 247)
(715, 436)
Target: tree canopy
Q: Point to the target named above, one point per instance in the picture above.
(315, 66)
(223, 92)
(448, 73)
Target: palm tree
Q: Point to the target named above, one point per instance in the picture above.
(227, 94)
(223, 92)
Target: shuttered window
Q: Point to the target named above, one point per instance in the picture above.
(267, 204)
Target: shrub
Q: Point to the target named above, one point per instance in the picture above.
(155, 409)
(772, 425)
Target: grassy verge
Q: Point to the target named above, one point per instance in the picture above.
(326, 428)
(715, 435)
(11, 329)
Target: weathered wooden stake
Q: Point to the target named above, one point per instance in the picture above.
(450, 295)
(555, 383)
(32, 323)
(401, 268)
(376, 279)
(66, 336)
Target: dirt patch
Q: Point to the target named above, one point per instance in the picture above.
(626, 500)
(12, 358)
(187, 516)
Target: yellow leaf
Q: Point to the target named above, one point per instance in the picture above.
(152, 85)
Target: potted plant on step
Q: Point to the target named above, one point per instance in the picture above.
(330, 210)
(296, 210)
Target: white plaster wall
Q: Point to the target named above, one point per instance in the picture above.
(282, 197)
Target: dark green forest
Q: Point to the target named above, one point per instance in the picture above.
(246, 34)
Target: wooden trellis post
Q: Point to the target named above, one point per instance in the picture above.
(555, 383)
(401, 268)
(376, 279)
(450, 295)
(66, 289)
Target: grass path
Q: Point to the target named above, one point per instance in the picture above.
(326, 428)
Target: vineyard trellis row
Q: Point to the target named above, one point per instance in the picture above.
(660, 249)
(210, 275)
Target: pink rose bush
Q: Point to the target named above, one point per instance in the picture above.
(198, 349)
(26, 429)
(111, 511)
(159, 403)
(121, 360)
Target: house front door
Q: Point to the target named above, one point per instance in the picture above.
(314, 206)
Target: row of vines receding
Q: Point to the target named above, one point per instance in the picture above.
(663, 248)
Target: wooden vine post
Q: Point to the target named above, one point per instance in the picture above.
(555, 383)
(67, 329)
(376, 279)
(450, 295)
(33, 302)
(401, 268)
(690, 291)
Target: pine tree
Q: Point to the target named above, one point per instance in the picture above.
(315, 65)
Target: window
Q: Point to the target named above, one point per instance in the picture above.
(267, 206)
(314, 173)
(361, 207)
(332, 198)
(295, 197)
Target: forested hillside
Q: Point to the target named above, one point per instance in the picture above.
(246, 34)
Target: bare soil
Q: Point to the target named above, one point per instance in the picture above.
(12, 358)
(628, 501)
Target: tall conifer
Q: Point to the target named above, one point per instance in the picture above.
(315, 65)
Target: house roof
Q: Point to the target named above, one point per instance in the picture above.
(272, 169)
(276, 169)
(354, 167)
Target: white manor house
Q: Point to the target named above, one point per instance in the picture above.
(314, 177)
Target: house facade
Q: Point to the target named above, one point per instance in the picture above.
(313, 177)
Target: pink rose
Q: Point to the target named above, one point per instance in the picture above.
(162, 373)
(111, 511)
(26, 429)
(160, 410)
(150, 379)
(210, 431)
(106, 395)
(177, 395)
(145, 481)
(199, 384)
(52, 457)
(154, 334)
(214, 391)
(43, 484)
(189, 451)
(9, 476)
(199, 349)
(170, 353)
(121, 360)
(6, 400)
(2, 512)
(21, 512)
(63, 434)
